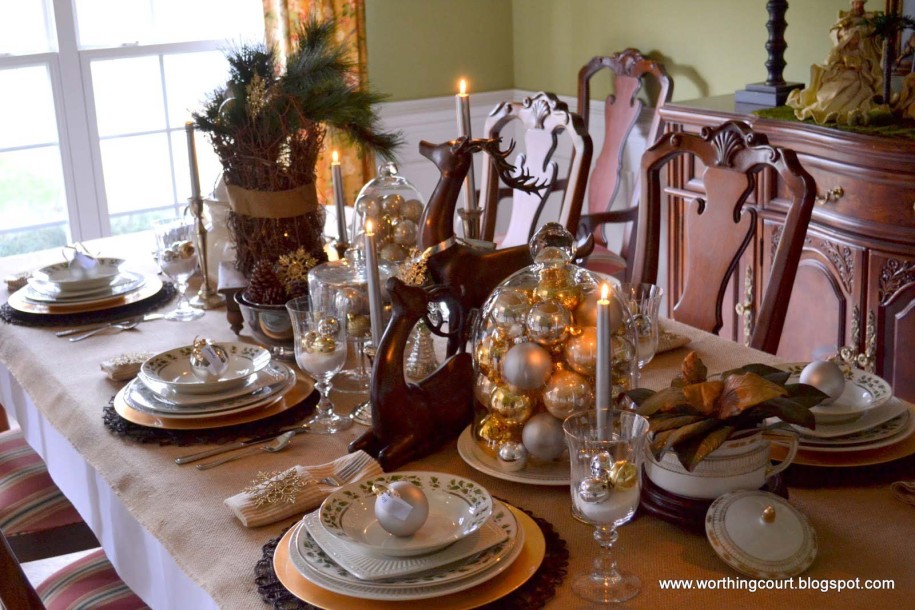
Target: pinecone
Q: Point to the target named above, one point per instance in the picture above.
(296, 288)
(263, 285)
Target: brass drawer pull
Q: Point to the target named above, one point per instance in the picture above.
(831, 196)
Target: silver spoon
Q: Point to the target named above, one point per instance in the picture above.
(116, 327)
(278, 444)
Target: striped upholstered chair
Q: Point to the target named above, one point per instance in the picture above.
(89, 583)
(35, 517)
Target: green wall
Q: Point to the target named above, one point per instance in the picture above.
(419, 48)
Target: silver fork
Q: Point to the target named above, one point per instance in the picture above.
(341, 478)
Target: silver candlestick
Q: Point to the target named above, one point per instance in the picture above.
(207, 297)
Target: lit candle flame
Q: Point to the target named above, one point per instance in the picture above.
(463, 87)
(604, 292)
(369, 227)
(335, 158)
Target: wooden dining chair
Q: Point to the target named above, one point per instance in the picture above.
(631, 74)
(89, 583)
(35, 517)
(543, 119)
(720, 225)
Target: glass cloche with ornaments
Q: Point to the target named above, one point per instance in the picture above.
(535, 354)
(395, 208)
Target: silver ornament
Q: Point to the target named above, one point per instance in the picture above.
(401, 508)
(350, 300)
(593, 490)
(512, 456)
(208, 359)
(328, 326)
(601, 465)
(411, 209)
(827, 377)
(405, 233)
(527, 366)
(543, 437)
(548, 322)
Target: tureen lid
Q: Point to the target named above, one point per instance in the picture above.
(759, 534)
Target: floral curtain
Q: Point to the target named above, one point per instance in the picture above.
(282, 19)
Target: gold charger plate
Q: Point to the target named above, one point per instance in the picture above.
(516, 575)
(18, 301)
(297, 394)
(868, 457)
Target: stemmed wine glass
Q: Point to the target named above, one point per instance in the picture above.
(606, 461)
(320, 351)
(176, 253)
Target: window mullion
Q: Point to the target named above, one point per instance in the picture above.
(78, 132)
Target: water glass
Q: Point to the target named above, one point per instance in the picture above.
(644, 301)
(320, 351)
(176, 253)
(605, 453)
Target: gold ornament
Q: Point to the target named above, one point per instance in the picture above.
(294, 266)
(489, 354)
(405, 233)
(275, 487)
(392, 252)
(623, 475)
(558, 283)
(358, 325)
(511, 407)
(548, 323)
(368, 207)
(565, 392)
(586, 312)
(411, 209)
(508, 310)
(390, 205)
(482, 389)
(491, 431)
(526, 366)
(415, 269)
(580, 352)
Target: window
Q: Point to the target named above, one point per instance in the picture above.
(94, 95)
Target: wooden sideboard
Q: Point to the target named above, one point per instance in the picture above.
(855, 288)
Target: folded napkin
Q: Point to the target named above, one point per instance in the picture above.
(304, 487)
(668, 340)
(904, 491)
(124, 366)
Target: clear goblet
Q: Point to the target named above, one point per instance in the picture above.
(320, 351)
(176, 253)
(605, 485)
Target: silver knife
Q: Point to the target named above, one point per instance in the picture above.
(193, 457)
(82, 329)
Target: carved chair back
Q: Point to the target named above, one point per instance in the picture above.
(629, 70)
(543, 119)
(719, 227)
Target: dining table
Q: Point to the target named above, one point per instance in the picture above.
(166, 529)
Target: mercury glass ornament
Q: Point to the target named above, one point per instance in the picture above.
(549, 306)
(397, 207)
(594, 489)
(208, 359)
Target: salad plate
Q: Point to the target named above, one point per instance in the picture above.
(483, 588)
(874, 417)
(878, 432)
(348, 563)
(535, 473)
(272, 374)
(900, 433)
(171, 371)
(457, 508)
(863, 392)
(69, 277)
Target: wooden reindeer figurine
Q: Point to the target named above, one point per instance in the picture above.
(411, 420)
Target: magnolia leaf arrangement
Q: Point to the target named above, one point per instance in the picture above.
(695, 415)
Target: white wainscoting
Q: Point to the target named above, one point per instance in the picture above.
(435, 120)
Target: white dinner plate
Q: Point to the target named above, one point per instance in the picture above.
(863, 392)
(870, 435)
(125, 283)
(141, 398)
(457, 508)
(534, 473)
(68, 278)
(901, 435)
(171, 370)
(348, 563)
(371, 590)
(874, 417)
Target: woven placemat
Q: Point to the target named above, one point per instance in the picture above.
(142, 434)
(14, 316)
(535, 593)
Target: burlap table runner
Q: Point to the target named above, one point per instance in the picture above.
(863, 531)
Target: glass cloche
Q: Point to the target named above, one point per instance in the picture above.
(395, 206)
(535, 353)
